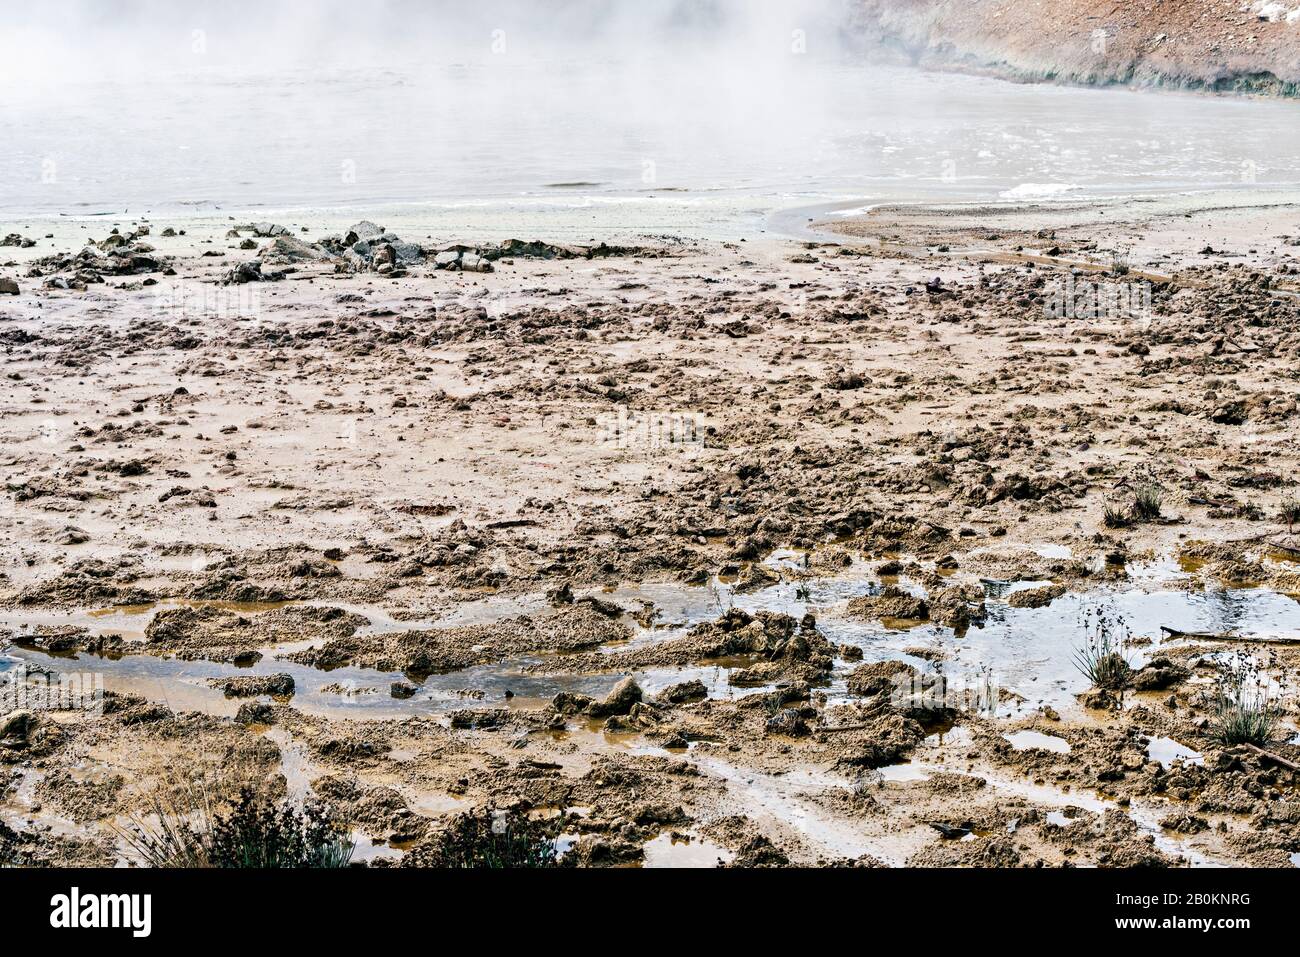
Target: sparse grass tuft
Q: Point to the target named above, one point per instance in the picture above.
(1102, 659)
(488, 840)
(1116, 517)
(1290, 515)
(173, 834)
(722, 600)
(261, 835)
(1245, 712)
(863, 786)
(8, 846)
(1120, 264)
(187, 828)
(1148, 501)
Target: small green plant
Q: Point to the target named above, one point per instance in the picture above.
(1249, 511)
(258, 834)
(186, 827)
(1290, 515)
(722, 598)
(1102, 658)
(492, 840)
(174, 832)
(1116, 518)
(864, 785)
(9, 840)
(1148, 501)
(1244, 712)
(773, 704)
(1120, 264)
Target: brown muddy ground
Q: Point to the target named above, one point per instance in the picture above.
(418, 477)
(1209, 45)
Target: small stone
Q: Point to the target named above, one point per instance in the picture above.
(685, 693)
(277, 686)
(569, 703)
(17, 725)
(789, 723)
(621, 700)
(255, 713)
(1036, 597)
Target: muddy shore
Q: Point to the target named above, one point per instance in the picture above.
(641, 535)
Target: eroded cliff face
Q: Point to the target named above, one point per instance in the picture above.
(1248, 46)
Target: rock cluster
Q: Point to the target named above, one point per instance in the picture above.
(117, 255)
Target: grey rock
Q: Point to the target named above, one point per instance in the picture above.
(250, 271)
(292, 249)
(366, 230)
(406, 253)
(626, 694)
(685, 693)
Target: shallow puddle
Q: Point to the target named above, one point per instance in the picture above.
(437, 805)
(355, 693)
(903, 774)
(1068, 803)
(128, 621)
(783, 799)
(682, 852)
(1061, 818)
(1168, 752)
(23, 811)
(1036, 740)
(295, 765)
(366, 850)
(1025, 651)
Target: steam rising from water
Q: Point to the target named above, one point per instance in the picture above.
(450, 91)
(60, 40)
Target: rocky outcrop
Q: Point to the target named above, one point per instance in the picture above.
(1207, 45)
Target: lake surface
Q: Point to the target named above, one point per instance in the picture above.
(568, 136)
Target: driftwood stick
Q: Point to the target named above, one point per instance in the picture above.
(845, 727)
(1275, 758)
(1211, 502)
(1253, 540)
(1206, 636)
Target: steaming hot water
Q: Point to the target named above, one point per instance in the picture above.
(594, 141)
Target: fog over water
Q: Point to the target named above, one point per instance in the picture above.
(194, 105)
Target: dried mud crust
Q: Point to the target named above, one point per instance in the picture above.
(436, 442)
(216, 634)
(777, 647)
(912, 420)
(455, 649)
